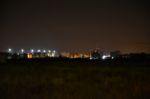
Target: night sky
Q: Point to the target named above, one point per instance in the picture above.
(74, 25)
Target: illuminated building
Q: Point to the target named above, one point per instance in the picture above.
(96, 55)
(29, 55)
(76, 54)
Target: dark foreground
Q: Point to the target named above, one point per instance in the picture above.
(75, 81)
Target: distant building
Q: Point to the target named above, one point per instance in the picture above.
(96, 55)
(115, 54)
(76, 54)
(43, 54)
(65, 54)
(29, 55)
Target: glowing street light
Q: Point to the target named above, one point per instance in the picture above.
(112, 57)
(49, 51)
(22, 50)
(32, 51)
(44, 51)
(53, 54)
(38, 50)
(54, 51)
(9, 50)
(104, 57)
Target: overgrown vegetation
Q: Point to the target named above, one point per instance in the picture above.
(74, 81)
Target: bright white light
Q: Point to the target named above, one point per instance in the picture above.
(32, 51)
(53, 54)
(44, 51)
(22, 50)
(49, 51)
(9, 50)
(49, 55)
(54, 51)
(112, 57)
(91, 58)
(105, 57)
(38, 50)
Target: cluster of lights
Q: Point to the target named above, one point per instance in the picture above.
(34, 51)
(104, 57)
(10, 50)
(52, 53)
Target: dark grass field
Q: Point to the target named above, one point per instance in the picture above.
(75, 81)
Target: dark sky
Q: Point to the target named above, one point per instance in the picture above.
(74, 25)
